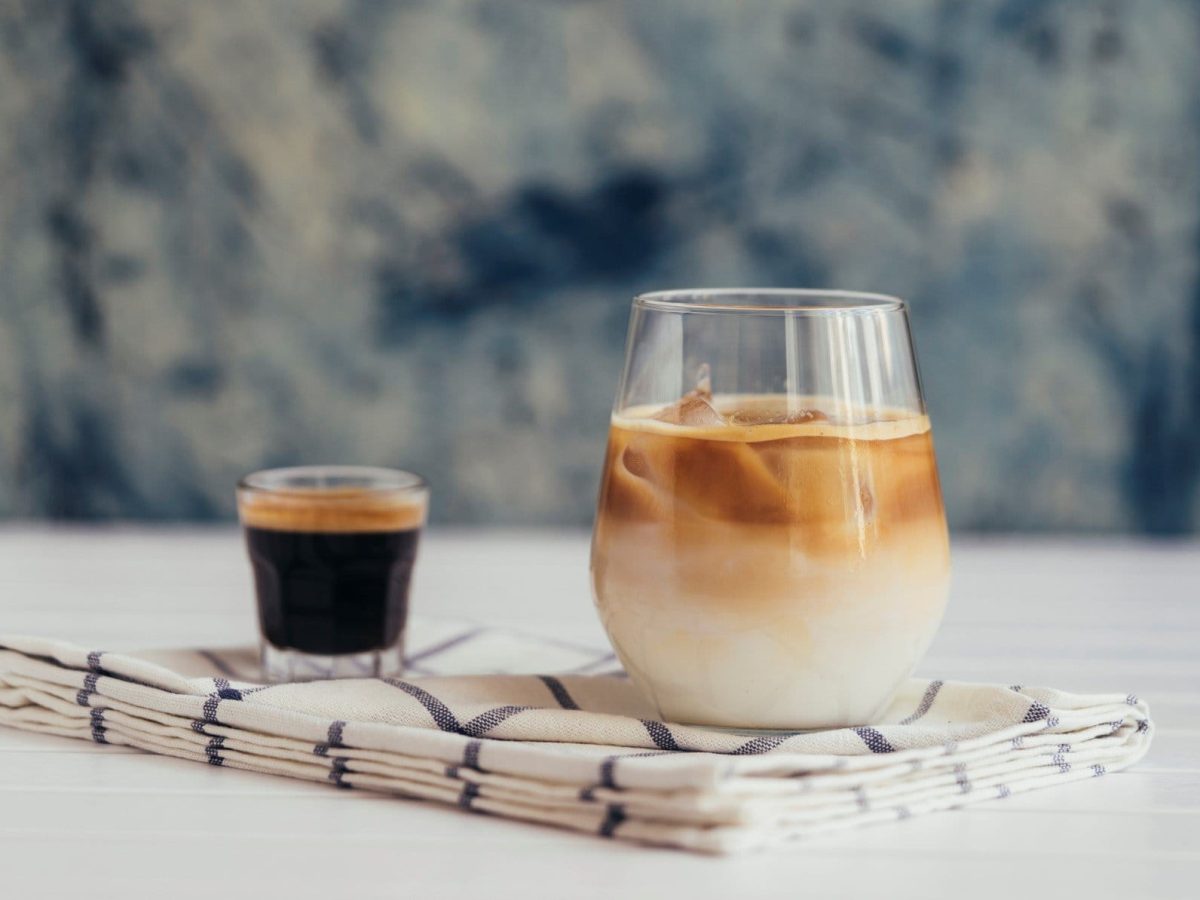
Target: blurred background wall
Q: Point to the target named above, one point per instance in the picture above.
(235, 235)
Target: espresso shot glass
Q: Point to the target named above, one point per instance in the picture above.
(332, 549)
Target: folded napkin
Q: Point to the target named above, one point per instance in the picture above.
(580, 751)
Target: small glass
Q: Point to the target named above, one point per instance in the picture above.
(770, 550)
(332, 549)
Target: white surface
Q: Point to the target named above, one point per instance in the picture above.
(81, 818)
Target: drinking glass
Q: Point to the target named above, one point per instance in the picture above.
(332, 549)
(770, 549)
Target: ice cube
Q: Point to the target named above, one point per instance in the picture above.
(773, 413)
(693, 409)
(804, 416)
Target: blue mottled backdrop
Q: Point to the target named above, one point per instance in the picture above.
(242, 235)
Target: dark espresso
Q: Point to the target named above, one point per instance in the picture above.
(331, 567)
(331, 593)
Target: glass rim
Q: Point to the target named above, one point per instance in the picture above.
(770, 301)
(376, 480)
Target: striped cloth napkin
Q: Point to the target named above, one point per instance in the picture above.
(581, 751)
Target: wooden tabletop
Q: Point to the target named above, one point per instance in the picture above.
(81, 819)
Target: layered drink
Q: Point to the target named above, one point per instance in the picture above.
(332, 549)
(770, 561)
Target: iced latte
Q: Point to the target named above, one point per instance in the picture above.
(769, 561)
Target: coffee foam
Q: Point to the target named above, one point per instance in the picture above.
(340, 510)
(753, 418)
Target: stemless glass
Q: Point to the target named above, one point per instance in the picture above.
(333, 549)
(770, 549)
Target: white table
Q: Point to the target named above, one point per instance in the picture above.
(81, 819)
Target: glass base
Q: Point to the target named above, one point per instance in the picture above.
(280, 665)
